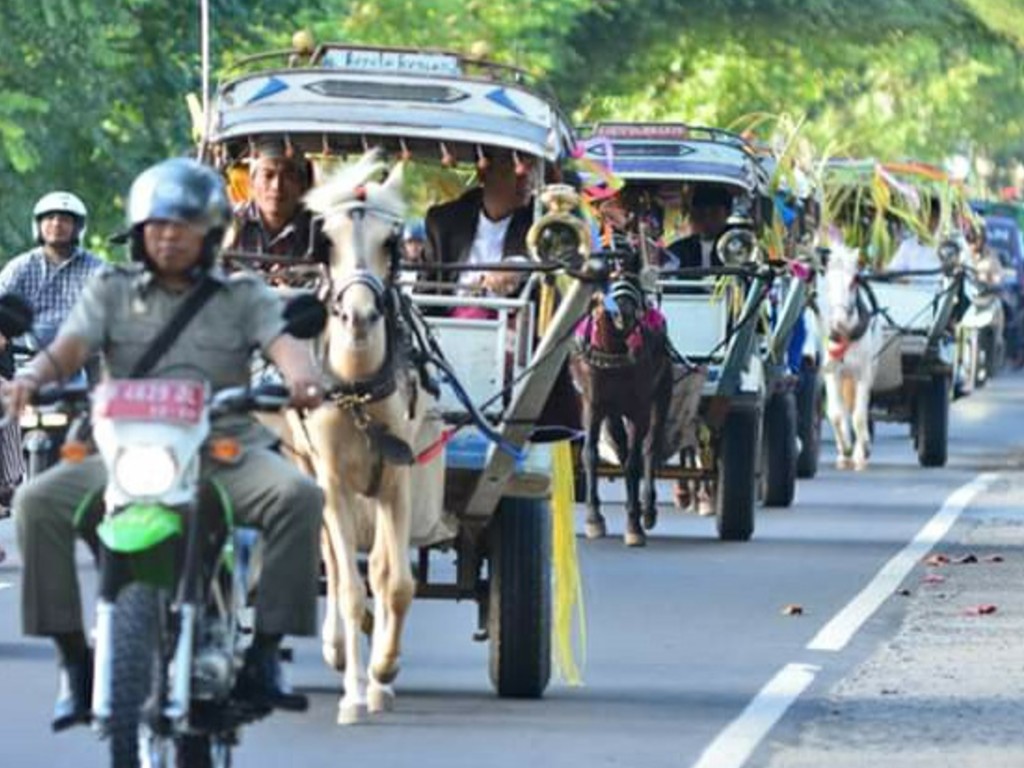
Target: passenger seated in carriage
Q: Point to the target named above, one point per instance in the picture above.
(486, 225)
(918, 252)
(709, 214)
(274, 222)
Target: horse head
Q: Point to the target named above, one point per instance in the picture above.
(841, 292)
(362, 218)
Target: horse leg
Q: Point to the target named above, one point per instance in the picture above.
(352, 597)
(837, 416)
(595, 525)
(332, 633)
(683, 495)
(634, 535)
(393, 587)
(653, 450)
(861, 427)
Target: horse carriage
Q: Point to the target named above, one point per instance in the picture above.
(472, 481)
(744, 442)
(914, 354)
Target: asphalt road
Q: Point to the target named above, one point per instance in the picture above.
(690, 658)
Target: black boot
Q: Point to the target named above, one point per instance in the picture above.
(261, 685)
(74, 695)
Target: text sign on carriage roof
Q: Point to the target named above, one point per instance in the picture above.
(392, 61)
(162, 400)
(632, 131)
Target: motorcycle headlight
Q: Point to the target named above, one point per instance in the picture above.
(736, 247)
(29, 419)
(144, 470)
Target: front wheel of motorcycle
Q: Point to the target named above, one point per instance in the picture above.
(134, 655)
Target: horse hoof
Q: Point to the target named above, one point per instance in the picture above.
(351, 713)
(334, 656)
(380, 698)
(635, 539)
(595, 529)
(649, 520)
(860, 465)
(844, 463)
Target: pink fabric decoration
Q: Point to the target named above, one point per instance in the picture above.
(474, 313)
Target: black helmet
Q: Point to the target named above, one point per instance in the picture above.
(182, 190)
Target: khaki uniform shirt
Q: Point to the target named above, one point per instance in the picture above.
(122, 309)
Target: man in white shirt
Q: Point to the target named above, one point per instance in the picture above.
(485, 225)
(914, 253)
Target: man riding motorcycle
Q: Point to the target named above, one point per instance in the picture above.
(177, 212)
(49, 277)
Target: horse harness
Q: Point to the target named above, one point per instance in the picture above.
(400, 353)
(839, 345)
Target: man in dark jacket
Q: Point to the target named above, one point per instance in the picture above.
(709, 212)
(485, 225)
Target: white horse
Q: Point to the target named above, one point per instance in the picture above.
(852, 349)
(363, 445)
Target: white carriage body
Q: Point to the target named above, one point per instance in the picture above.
(487, 354)
(911, 306)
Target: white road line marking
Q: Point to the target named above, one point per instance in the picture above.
(5, 585)
(734, 745)
(844, 625)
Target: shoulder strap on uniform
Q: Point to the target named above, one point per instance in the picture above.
(178, 322)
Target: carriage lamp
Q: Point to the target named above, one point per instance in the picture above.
(736, 247)
(559, 232)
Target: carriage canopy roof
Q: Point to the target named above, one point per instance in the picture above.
(674, 152)
(343, 99)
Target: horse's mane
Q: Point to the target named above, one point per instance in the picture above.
(356, 182)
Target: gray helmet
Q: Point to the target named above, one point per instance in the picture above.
(182, 190)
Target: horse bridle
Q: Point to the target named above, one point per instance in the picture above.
(383, 383)
(855, 305)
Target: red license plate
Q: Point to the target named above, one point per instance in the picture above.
(167, 400)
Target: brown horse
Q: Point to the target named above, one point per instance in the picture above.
(363, 447)
(623, 372)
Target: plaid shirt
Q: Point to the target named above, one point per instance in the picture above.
(51, 289)
(248, 234)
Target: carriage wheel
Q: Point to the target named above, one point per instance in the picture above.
(519, 611)
(809, 417)
(933, 421)
(779, 445)
(736, 485)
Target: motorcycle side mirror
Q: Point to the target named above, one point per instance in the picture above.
(305, 316)
(16, 315)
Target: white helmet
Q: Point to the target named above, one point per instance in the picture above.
(60, 202)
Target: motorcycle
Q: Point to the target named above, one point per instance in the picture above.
(171, 615)
(981, 332)
(43, 428)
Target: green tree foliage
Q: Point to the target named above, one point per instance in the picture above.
(91, 91)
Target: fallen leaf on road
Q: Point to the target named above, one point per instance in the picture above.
(904, 593)
(936, 560)
(966, 560)
(933, 578)
(793, 610)
(984, 609)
